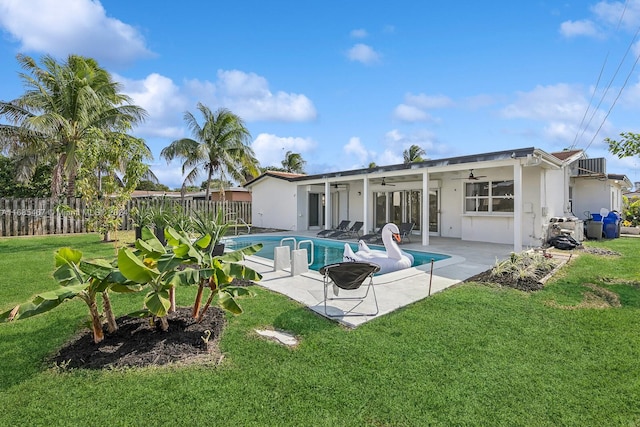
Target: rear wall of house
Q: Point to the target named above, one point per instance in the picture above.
(274, 204)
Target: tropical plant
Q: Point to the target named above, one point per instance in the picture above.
(631, 211)
(63, 106)
(212, 224)
(219, 146)
(78, 279)
(109, 173)
(293, 162)
(162, 268)
(524, 265)
(413, 154)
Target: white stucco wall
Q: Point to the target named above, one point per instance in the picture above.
(274, 204)
(591, 195)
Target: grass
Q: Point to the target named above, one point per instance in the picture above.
(472, 355)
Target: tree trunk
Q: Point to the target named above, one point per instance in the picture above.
(164, 323)
(71, 184)
(108, 312)
(96, 323)
(206, 307)
(57, 177)
(172, 299)
(209, 175)
(198, 300)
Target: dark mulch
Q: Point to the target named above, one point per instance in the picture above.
(139, 343)
(527, 284)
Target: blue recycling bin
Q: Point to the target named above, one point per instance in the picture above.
(611, 227)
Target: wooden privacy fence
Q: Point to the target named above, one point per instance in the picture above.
(29, 217)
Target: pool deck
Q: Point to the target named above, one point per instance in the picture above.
(393, 290)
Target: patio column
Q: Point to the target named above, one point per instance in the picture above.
(425, 208)
(365, 205)
(327, 205)
(517, 207)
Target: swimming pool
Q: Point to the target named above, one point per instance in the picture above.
(325, 251)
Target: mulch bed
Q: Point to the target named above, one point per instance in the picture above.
(137, 343)
(532, 284)
(527, 285)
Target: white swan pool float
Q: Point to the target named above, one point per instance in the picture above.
(391, 259)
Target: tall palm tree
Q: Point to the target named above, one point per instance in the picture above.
(63, 106)
(219, 146)
(413, 154)
(293, 162)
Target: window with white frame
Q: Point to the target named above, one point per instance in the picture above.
(488, 196)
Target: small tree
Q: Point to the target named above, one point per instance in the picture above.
(78, 279)
(110, 171)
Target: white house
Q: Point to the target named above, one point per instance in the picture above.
(501, 197)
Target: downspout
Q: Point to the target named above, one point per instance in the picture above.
(365, 203)
(517, 207)
(425, 208)
(327, 205)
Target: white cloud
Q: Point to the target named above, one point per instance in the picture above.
(248, 95)
(429, 101)
(606, 16)
(398, 142)
(611, 12)
(356, 148)
(169, 174)
(71, 26)
(363, 53)
(562, 108)
(360, 33)
(164, 102)
(578, 28)
(411, 114)
(270, 149)
(413, 109)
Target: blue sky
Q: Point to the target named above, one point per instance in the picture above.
(350, 82)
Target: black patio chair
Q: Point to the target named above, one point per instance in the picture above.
(405, 231)
(375, 237)
(349, 276)
(343, 226)
(350, 233)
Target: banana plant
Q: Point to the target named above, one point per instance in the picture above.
(83, 279)
(218, 275)
(183, 263)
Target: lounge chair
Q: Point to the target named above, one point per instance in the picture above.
(405, 231)
(343, 226)
(375, 237)
(346, 234)
(349, 276)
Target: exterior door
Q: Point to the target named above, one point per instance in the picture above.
(314, 210)
(434, 212)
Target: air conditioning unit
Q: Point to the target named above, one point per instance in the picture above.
(596, 166)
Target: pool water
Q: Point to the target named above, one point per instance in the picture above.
(325, 251)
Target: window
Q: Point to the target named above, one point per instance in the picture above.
(488, 196)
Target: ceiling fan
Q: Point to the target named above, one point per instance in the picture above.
(473, 177)
(384, 183)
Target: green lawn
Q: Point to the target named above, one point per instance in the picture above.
(471, 355)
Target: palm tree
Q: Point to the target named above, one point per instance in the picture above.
(293, 162)
(413, 154)
(63, 106)
(220, 145)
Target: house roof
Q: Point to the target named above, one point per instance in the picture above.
(473, 158)
(275, 174)
(566, 154)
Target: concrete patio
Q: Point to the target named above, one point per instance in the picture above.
(393, 290)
